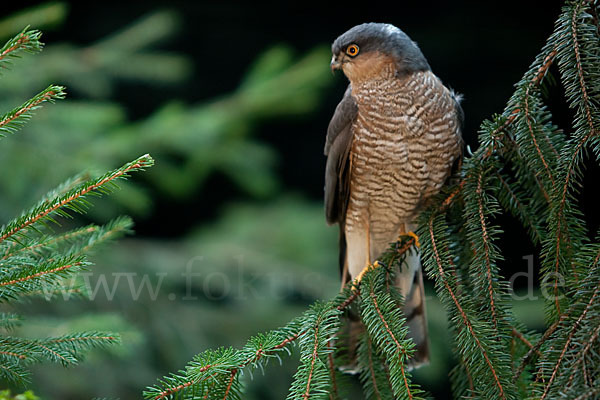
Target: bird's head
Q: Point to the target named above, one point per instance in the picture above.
(370, 50)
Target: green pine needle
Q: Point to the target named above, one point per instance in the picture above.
(386, 328)
(74, 200)
(17, 117)
(312, 379)
(9, 321)
(27, 41)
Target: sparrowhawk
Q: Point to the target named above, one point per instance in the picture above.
(390, 146)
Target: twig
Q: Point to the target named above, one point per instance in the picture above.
(523, 339)
(233, 373)
(80, 193)
(399, 347)
(334, 390)
(535, 349)
(486, 248)
(26, 108)
(315, 357)
(41, 273)
(568, 342)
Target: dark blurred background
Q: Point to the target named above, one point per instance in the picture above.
(233, 101)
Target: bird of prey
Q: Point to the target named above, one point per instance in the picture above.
(390, 147)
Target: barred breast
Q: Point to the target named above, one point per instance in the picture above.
(406, 138)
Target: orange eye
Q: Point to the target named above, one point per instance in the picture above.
(352, 50)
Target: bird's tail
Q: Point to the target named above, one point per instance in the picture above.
(409, 282)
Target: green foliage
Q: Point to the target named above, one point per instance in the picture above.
(386, 329)
(374, 377)
(319, 327)
(211, 373)
(28, 395)
(525, 167)
(27, 41)
(16, 118)
(546, 169)
(34, 257)
(192, 141)
(44, 16)
(211, 135)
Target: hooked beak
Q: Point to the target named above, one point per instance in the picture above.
(335, 64)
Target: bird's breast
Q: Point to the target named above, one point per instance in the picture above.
(397, 157)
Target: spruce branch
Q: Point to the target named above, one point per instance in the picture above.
(85, 339)
(76, 242)
(519, 335)
(536, 348)
(33, 257)
(477, 206)
(206, 365)
(575, 57)
(66, 350)
(573, 334)
(20, 281)
(568, 342)
(11, 354)
(533, 132)
(57, 356)
(436, 265)
(373, 374)
(11, 371)
(9, 321)
(74, 200)
(580, 356)
(332, 368)
(312, 377)
(35, 246)
(210, 372)
(97, 235)
(74, 345)
(67, 290)
(26, 41)
(587, 105)
(16, 118)
(386, 327)
(513, 199)
(66, 186)
(462, 379)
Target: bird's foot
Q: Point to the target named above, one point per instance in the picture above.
(413, 236)
(360, 276)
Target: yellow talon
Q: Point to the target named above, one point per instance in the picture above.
(414, 236)
(360, 276)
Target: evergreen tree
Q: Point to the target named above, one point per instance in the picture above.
(526, 167)
(36, 259)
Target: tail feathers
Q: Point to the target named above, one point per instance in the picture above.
(410, 284)
(351, 340)
(411, 287)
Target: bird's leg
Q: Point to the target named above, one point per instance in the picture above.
(368, 246)
(344, 275)
(360, 276)
(401, 232)
(367, 267)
